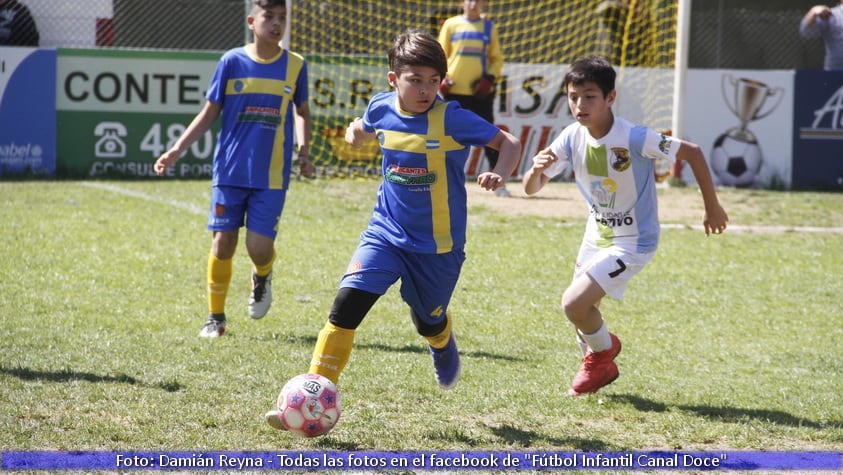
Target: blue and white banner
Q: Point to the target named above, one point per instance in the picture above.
(818, 130)
(421, 461)
(27, 111)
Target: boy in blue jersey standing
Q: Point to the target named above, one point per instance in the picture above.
(613, 162)
(417, 230)
(259, 91)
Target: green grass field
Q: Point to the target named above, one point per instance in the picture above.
(730, 342)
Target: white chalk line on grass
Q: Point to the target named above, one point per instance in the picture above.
(732, 227)
(740, 228)
(763, 229)
(137, 194)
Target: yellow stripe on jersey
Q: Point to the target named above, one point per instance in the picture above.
(255, 86)
(276, 166)
(285, 90)
(440, 208)
(415, 143)
(408, 142)
(424, 144)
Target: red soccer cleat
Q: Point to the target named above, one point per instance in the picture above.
(598, 369)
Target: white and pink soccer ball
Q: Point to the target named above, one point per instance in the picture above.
(309, 405)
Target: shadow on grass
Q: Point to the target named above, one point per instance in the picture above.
(419, 348)
(331, 443)
(725, 414)
(70, 375)
(515, 436)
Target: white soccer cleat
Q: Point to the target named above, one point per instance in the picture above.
(273, 420)
(261, 297)
(503, 192)
(213, 327)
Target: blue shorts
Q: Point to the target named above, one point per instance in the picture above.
(259, 210)
(427, 280)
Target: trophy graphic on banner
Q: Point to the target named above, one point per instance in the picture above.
(736, 157)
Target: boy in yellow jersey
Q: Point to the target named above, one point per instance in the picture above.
(418, 228)
(259, 86)
(475, 61)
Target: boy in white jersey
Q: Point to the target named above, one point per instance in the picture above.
(613, 162)
(258, 92)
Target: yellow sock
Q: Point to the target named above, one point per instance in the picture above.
(332, 351)
(219, 276)
(440, 340)
(265, 269)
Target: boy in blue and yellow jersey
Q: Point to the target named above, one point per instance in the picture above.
(417, 231)
(614, 165)
(475, 62)
(259, 91)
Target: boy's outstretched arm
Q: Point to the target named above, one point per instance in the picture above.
(510, 152)
(355, 135)
(200, 124)
(534, 179)
(715, 218)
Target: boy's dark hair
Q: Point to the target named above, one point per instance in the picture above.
(417, 47)
(594, 69)
(267, 4)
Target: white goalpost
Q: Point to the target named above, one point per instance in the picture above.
(681, 67)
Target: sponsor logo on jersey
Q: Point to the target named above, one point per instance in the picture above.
(604, 192)
(264, 115)
(621, 161)
(409, 176)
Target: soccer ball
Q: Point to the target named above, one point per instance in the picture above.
(736, 162)
(309, 405)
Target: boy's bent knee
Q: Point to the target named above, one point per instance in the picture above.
(428, 329)
(575, 307)
(224, 244)
(350, 306)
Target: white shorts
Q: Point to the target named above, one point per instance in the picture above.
(611, 268)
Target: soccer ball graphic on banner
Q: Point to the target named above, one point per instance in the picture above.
(736, 162)
(309, 405)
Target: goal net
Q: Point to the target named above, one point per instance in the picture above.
(346, 43)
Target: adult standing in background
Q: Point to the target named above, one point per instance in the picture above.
(475, 61)
(17, 27)
(826, 22)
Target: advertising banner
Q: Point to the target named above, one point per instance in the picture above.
(90, 112)
(117, 111)
(27, 111)
(340, 90)
(742, 121)
(818, 130)
(530, 103)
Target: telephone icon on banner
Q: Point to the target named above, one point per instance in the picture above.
(110, 144)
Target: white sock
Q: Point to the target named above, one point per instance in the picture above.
(582, 344)
(599, 340)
